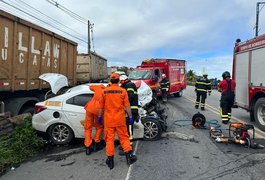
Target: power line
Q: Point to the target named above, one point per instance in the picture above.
(69, 12)
(42, 21)
(48, 17)
(77, 17)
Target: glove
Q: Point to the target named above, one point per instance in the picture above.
(130, 121)
(99, 120)
(209, 94)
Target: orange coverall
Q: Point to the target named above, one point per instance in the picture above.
(92, 115)
(114, 100)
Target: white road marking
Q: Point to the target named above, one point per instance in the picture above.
(130, 167)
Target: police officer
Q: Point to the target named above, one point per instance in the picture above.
(164, 84)
(227, 88)
(202, 86)
(133, 98)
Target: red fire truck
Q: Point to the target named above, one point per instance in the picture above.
(151, 70)
(249, 74)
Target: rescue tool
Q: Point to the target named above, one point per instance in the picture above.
(238, 133)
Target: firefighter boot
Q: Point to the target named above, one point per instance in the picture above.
(110, 162)
(89, 149)
(196, 106)
(121, 152)
(130, 157)
(98, 146)
(202, 108)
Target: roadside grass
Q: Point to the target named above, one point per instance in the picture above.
(22, 143)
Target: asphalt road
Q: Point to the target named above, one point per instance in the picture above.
(169, 158)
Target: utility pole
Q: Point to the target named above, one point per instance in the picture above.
(257, 17)
(88, 37)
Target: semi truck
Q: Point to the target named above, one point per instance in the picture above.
(248, 72)
(151, 70)
(27, 51)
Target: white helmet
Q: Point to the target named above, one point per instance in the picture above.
(163, 75)
(123, 77)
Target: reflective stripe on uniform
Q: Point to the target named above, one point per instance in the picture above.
(201, 90)
(131, 89)
(203, 83)
(134, 107)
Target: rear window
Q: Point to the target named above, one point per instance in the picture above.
(79, 100)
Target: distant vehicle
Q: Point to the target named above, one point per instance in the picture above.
(60, 116)
(27, 51)
(151, 70)
(248, 72)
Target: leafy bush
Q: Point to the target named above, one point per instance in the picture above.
(19, 145)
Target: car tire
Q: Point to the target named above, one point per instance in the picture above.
(259, 113)
(179, 94)
(60, 134)
(152, 129)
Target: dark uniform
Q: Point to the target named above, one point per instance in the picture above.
(164, 84)
(227, 87)
(133, 98)
(202, 86)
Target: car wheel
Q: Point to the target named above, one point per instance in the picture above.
(259, 113)
(178, 94)
(152, 129)
(60, 134)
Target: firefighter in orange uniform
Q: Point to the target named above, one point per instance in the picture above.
(114, 101)
(91, 120)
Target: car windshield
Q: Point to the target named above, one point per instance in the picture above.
(140, 75)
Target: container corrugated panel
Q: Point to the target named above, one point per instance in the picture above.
(91, 67)
(27, 51)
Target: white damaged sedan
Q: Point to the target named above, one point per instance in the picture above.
(60, 116)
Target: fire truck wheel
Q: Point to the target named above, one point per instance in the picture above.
(259, 113)
(178, 94)
(152, 129)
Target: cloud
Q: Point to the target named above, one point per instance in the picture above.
(126, 32)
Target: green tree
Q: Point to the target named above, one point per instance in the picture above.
(191, 76)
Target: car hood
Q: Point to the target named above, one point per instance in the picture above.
(56, 81)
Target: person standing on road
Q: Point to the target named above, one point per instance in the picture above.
(91, 120)
(133, 99)
(202, 86)
(114, 101)
(164, 84)
(227, 88)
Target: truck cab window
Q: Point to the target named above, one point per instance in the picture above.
(79, 100)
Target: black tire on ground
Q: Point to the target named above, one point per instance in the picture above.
(60, 134)
(178, 94)
(27, 110)
(152, 129)
(259, 113)
(252, 117)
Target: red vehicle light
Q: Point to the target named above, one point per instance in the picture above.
(39, 109)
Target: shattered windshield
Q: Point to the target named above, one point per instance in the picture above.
(140, 75)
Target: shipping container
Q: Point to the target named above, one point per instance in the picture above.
(91, 68)
(26, 52)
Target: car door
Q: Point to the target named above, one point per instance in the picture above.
(74, 111)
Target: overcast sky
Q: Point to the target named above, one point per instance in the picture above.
(125, 32)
